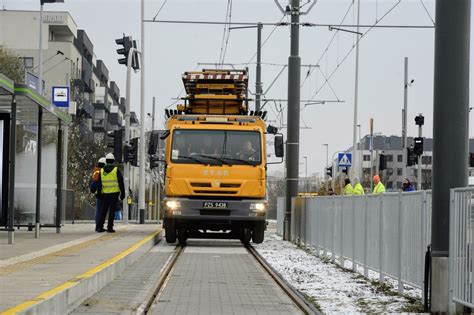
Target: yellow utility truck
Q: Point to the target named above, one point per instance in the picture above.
(216, 161)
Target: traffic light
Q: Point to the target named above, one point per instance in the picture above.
(131, 152)
(114, 141)
(382, 162)
(420, 120)
(329, 171)
(127, 43)
(345, 170)
(154, 161)
(418, 146)
(471, 159)
(411, 157)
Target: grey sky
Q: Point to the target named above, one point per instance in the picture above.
(172, 49)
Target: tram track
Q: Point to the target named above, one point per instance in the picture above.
(296, 297)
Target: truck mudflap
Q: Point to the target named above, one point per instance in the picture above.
(184, 209)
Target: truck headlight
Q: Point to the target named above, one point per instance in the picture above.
(258, 207)
(173, 204)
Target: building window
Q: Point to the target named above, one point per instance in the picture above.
(399, 185)
(426, 160)
(389, 185)
(366, 170)
(399, 171)
(366, 157)
(389, 171)
(389, 158)
(28, 63)
(400, 158)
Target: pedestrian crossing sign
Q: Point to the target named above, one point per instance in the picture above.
(344, 159)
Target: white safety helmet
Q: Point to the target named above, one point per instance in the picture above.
(102, 160)
(110, 157)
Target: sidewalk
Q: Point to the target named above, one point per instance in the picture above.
(38, 271)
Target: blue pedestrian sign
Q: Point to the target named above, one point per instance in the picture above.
(60, 96)
(344, 159)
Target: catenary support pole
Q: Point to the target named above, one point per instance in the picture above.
(142, 158)
(150, 191)
(294, 75)
(404, 120)
(11, 172)
(450, 132)
(39, 152)
(355, 166)
(258, 78)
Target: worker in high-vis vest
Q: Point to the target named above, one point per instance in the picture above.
(358, 189)
(348, 189)
(112, 187)
(94, 185)
(378, 186)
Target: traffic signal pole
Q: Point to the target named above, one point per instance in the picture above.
(127, 133)
(141, 176)
(450, 133)
(419, 161)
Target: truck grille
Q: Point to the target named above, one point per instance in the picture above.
(220, 192)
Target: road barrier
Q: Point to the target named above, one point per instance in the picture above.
(386, 233)
(461, 242)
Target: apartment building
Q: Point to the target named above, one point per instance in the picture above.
(68, 60)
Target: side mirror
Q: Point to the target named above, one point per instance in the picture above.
(279, 146)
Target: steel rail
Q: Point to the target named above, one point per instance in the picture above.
(289, 290)
(164, 278)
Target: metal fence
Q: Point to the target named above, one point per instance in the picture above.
(385, 233)
(461, 254)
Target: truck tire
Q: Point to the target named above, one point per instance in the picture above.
(245, 236)
(182, 236)
(170, 232)
(258, 233)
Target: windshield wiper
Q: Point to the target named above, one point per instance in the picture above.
(191, 158)
(214, 158)
(239, 160)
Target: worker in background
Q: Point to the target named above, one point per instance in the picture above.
(112, 187)
(407, 185)
(93, 187)
(348, 189)
(378, 186)
(358, 189)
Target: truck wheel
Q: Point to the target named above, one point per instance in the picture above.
(258, 233)
(245, 236)
(170, 232)
(182, 236)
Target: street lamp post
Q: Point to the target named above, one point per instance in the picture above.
(306, 172)
(39, 86)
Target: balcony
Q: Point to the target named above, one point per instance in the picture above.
(101, 72)
(99, 125)
(87, 109)
(122, 105)
(115, 121)
(84, 45)
(101, 98)
(114, 91)
(86, 76)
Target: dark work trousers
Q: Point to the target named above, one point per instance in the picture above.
(109, 204)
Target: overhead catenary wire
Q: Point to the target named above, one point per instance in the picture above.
(352, 49)
(159, 10)
(427, 12)
(226, 32)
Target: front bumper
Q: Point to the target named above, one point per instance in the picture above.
(193, 210)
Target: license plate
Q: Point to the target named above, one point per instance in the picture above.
(214, 205)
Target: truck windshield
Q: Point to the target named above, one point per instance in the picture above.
(216, 147)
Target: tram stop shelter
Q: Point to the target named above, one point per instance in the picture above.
(31, 162)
